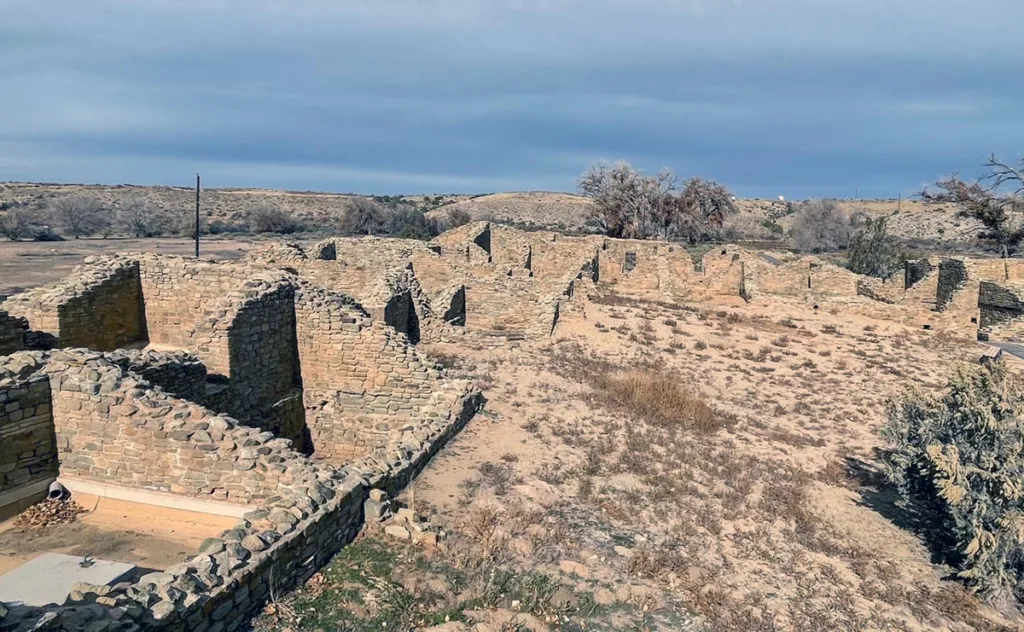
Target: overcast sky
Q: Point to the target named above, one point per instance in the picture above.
(771, 97)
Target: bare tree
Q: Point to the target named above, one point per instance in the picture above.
(629, 204)
(137, 217)
(20, 222)
(266, 217)
(982, 200)
(703, 208)
(456, 217)
(364, 216)
(79, 215)
(820, 226)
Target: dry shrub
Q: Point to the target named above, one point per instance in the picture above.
(658, 398)
(959, 459)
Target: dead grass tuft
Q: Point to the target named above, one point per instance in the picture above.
(658, 398)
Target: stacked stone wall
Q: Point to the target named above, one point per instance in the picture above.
(28, 445)
(916, 271)
(183, 294)
(178, 373)
(12, 333)
(278, 545)
(384, 276)
(952, 278)
(360, 378)
(99, 305)
(113, 428)
(1002, 310)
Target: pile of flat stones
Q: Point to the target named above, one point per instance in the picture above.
(48, 513)
(400, 523)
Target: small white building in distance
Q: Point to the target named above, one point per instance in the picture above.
(782, 198)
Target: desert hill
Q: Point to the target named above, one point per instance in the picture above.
(536, 208)
(911, 220)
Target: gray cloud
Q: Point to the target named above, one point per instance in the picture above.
(802, 97)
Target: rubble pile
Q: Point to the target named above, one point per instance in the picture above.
(48, 513)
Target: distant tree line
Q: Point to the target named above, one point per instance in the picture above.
(77, 215)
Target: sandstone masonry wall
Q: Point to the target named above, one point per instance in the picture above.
(12, 333)
(276, 547)
(116, 429)
(98, 306)
(178, 373)
(361, 379)
(28, 446)
(1002, 310)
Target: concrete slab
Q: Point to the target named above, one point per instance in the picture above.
(48, 578)
(158, 499)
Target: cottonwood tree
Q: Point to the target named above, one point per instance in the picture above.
(703, 208)
(996, 200)
(364, 216)
(137, 217)
(629, 204)
(20, 223)
(79, 215)
(820, 226)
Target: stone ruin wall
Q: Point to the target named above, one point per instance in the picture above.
(28, 444)
(304, 512)
(361, 379)
(314, 511)
(1002, 310)
(110, 422)
(113, 428)
(104, 290)
(12, 333)
(178, 373)
(240, 322)
(385, 276)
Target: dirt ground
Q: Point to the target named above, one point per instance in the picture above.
(27, 264)
(762, 508)
(150, 537)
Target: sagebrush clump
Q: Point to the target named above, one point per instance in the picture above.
(959, 460)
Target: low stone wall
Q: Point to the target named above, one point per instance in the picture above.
(274, 548)
(263, 364)
(99, 305)
(28, 445)
(916, 271)
(12, 333)
(113, 428)
(178, 373)
(883, 290)
(1002, 310)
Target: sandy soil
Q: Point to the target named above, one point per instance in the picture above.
(774, 515)
(150, 537)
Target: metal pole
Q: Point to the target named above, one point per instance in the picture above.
(197, 216)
